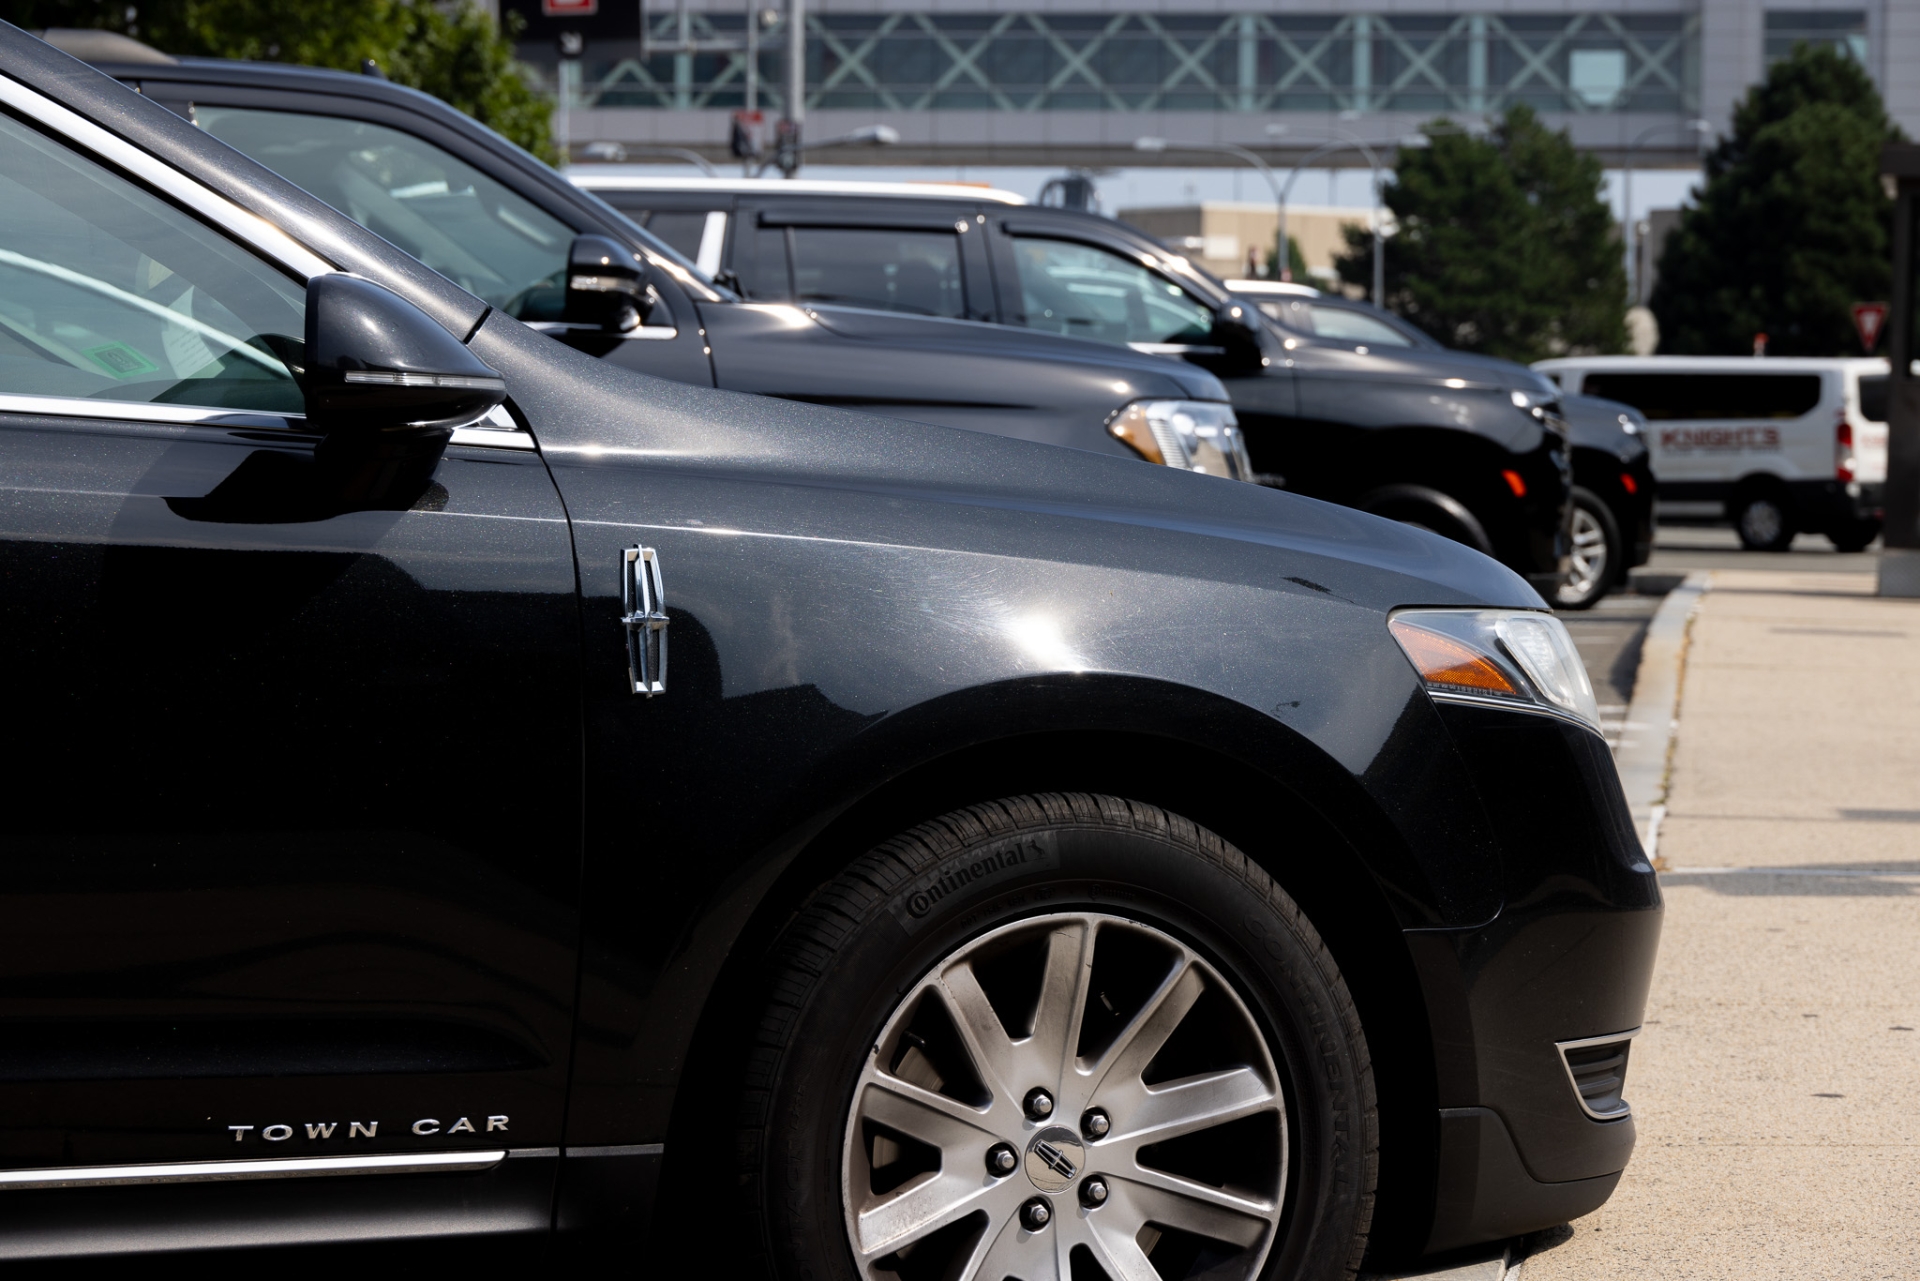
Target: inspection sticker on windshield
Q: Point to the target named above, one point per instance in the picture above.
(975, 872)
(121, 360)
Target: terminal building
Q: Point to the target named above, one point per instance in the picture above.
(1074, 83)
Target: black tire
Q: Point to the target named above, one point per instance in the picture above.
(1763, 521)
(1856, 536)
(1595, 569)
(840, 973)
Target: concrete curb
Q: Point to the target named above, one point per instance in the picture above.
(1646, 742)
(1494, 1269)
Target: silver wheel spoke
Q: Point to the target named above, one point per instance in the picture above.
(921, 1114)
(987, 1042)
(1003, 1252)
(1063, 996)
(1155, 1197)
(1115, 1243)
(1144, 1036)
(1181, 1107)
(924, 1207)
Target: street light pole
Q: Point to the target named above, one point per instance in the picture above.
(1631, 223)
(1229, 149)
(795, 115)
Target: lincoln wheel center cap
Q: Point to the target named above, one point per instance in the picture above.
(1055, 1158)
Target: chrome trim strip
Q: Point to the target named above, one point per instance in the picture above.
(1511, 705)
(494, 436)
(621, 1149)
(105, 1176)
(389, 378)
(252, 228)
(139, 411)
(490, 438)
(1625, 1109)
(640, 333)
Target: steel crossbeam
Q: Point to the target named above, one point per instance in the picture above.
(904, 60)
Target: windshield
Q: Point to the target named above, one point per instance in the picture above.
(476, 231)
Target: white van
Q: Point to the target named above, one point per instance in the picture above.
(1780, 445)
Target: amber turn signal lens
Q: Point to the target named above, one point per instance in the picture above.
(1442, 660)
(1130, 428)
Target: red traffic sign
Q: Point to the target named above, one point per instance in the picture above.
(569, 8)
(1869, 318)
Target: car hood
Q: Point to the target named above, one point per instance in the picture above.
(1150, 375)
(1597, 423)
(997, 494)
(1444, 363)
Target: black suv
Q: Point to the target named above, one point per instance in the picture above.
(1470, 448)
(1613, 482)
(507, 228)
(1028, 862)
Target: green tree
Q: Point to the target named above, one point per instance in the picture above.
(1296, 261)
(455, 53)
(1503, 244)
(1791, 226)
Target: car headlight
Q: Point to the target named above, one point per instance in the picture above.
(1196, 435)
(1501, 657)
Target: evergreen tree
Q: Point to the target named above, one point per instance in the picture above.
(1792, 226)
(455, 52)
(1503, 244)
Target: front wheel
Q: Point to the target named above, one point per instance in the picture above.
(1855, 535)
(1598, 552)
(1058, 1038)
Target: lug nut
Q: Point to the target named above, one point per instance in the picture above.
(1039, 1104)
(1002, 1159)
(1035, 1214)
(1095, 1124)
(1093, 1192)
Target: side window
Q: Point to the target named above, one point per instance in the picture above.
(469, 228)
(911, 271)
(1874, 397)
(1669, 397)
(760, 263)
(1083, 292)
(681, 228)
(1356, 326)
(108, 292)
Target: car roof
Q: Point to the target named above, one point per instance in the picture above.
(588, 178)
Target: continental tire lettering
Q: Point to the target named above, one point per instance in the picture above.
(974, 872)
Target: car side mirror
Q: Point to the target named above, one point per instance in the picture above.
(1233, 348)
(607, 286)
(375, 363)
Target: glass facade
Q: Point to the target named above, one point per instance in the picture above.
(1266, 62)
(1844, 30)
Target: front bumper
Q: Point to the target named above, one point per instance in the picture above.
(1569, 956)
(1822, 505)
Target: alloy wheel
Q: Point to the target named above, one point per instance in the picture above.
(1590, 560)
(1072, 1091)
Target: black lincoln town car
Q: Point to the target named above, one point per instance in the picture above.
(462, 786)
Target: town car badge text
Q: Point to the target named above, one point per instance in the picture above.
(425, 1127)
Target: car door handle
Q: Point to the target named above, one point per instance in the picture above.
(644, 613)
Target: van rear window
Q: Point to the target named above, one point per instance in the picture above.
(1873, 397)
(1665, 397)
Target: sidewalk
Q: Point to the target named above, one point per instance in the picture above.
(1777, 1083)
